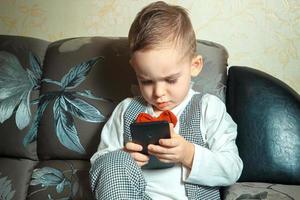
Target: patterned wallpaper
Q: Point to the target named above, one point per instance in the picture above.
(263, 34)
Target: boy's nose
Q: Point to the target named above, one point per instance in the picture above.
(158, 90)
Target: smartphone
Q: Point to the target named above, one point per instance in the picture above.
(145, 133)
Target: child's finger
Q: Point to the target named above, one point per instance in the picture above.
(172, 132)
(133, 146)
(141, 163)
(167, 158)
(139, 157)
(157, 149)
(169, 142)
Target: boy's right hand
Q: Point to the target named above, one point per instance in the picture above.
(135, 151)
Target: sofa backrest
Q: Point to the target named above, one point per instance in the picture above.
(82, 81)
(14, 60)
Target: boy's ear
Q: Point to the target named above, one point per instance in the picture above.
(196, 65)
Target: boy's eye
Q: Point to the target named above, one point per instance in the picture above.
(146, 82)
(172, 81)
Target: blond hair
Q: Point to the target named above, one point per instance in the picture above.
(160, 24)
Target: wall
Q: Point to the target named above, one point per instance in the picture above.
(263, 34)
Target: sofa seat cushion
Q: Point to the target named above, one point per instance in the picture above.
(257, 190)
(15, 176)
(60, 179)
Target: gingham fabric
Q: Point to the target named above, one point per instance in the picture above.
(115, 175)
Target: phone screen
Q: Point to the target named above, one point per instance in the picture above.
(145, 133)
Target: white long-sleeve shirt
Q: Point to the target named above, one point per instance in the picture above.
(219, 165)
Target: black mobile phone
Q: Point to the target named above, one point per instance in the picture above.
(145, 133)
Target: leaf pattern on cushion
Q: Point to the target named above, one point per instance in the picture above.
(81, 109)
(16, 85)
(65, 128)
(77, 74)
(67, 104)
(48, 176)
(32, 133)
(36, 68)
(52, 177)
(6, 191)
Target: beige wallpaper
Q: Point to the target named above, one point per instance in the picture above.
(263, 34)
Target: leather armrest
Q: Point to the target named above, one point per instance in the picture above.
(267, 113)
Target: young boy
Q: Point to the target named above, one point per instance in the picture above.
(202, 144)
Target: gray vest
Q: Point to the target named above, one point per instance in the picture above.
(189, 129)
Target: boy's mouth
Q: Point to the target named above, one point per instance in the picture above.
(162, 105)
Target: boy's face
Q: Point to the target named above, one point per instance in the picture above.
(164, 76)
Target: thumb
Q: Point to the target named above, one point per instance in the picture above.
(172, 132)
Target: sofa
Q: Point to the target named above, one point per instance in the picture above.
(55, 98)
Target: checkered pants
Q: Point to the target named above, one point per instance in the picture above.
(116, 175)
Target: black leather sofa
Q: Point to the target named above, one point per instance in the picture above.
(56, 96)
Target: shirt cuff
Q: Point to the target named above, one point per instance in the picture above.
(199, 173)
(189, 174)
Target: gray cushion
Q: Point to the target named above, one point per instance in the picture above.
(255, 190)
(18, 48)
(111, 78)
(15, 176)
(213, 76)
(60, 179)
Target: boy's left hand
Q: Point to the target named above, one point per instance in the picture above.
(174, 150)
